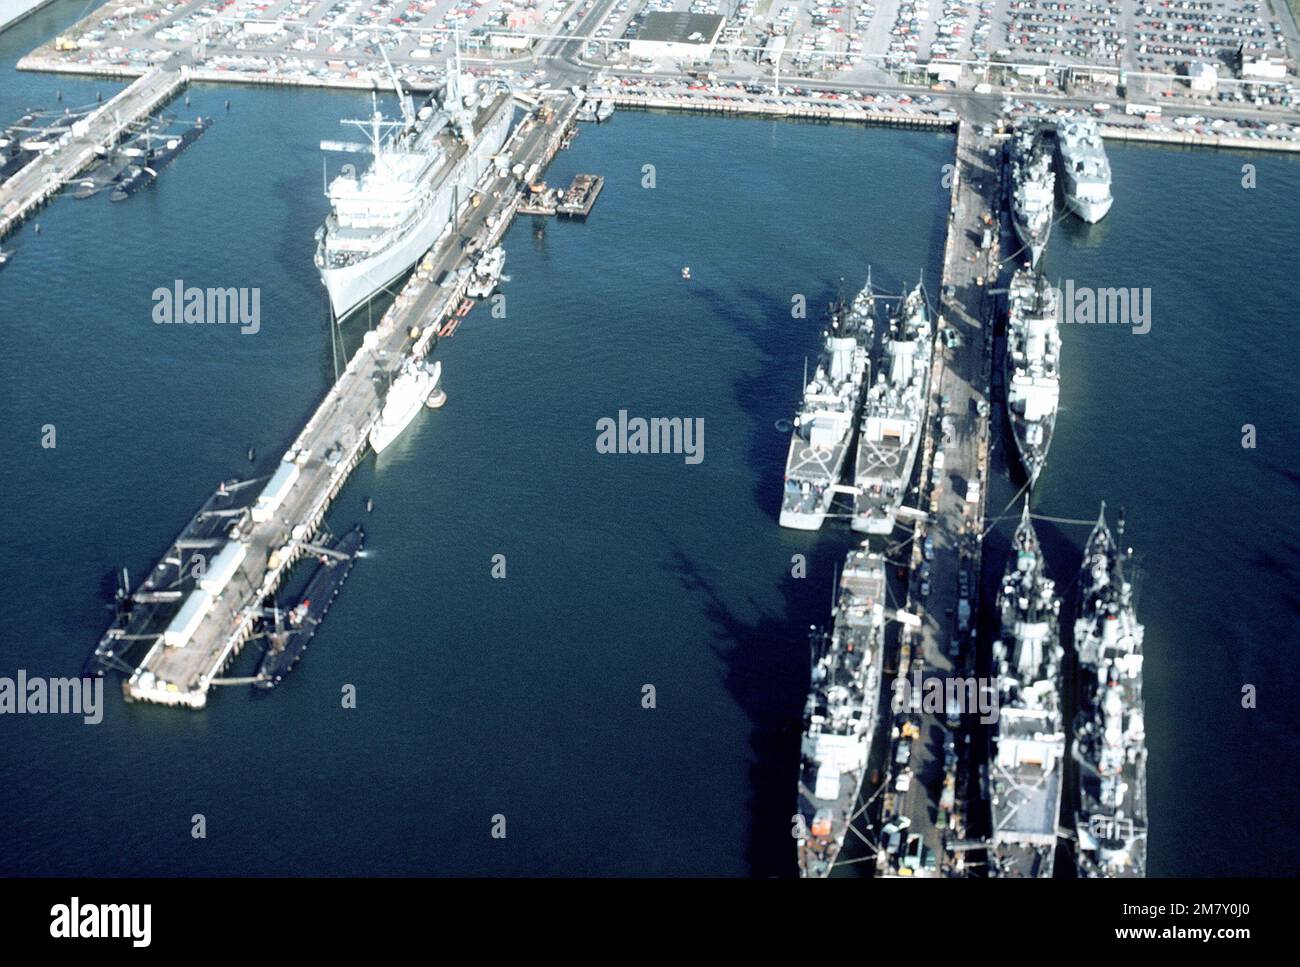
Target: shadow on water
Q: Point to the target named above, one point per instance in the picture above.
(766, 668)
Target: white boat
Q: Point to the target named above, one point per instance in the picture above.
(405, 398)
(487, 273)
(605, 110)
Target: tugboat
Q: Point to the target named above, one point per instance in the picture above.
(1109, 731)
(288, 634)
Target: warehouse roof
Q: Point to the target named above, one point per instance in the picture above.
(680, 28)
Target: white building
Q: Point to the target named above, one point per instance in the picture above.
(680, 36)
(1202, 77)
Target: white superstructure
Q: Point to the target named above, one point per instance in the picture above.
(405, 398)
(424, 171)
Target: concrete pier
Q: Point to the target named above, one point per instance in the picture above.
(46, 175)
(270, 539)
(961, 374)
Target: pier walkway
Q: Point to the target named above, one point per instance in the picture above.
(331, 444)
(961, 373)
(46, 175)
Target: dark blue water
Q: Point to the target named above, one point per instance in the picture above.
(522, 697)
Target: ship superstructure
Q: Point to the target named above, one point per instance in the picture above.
(1033, 367)
(841, 712)
(1084, 167)
(1109, 732)
(893, 417)
(823, 427)
(1026, 764)
(409, 392)
(424, 170)
(1032, 189)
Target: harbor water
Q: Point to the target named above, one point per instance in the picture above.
(480, 696)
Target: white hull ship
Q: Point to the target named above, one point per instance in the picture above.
(424, 171)
(1033, 370)
(1084, 167)
(823, 427)
(1109, 732)
(893, 418)
(841, 713)
(1027, 762)
(413, 387)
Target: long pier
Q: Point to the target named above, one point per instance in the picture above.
(46, 175)
(942, 644)
(248, 535)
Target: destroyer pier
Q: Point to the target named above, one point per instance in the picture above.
(194, 621)
(941, 643)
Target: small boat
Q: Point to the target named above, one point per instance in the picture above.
(4, 256)
(436, 399)
(604, 110)
(686, 272)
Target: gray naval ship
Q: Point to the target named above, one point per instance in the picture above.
(893, 417)
(1033, 367)
(1109, 735)
(1028, 756)
(1085, 169)
(840, 715)
(1032, 191)
(823, 426)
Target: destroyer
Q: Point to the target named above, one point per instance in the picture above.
(1025, 776)
(1085, 170)
(288, 634)
(1033, 367)
(1033, 191)
(893, 417)
(406, 396)
(841, 712)
(1109, 736)
(424, 170)
(823, 426)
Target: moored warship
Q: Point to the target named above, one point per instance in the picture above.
(1033, 362)
(893, 417)
(1032, 190)
(1085, 169)
(1109, 732)
(823, 426)
(1027, 760)
(841, 712)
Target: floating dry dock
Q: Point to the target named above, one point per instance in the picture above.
(190, 622)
